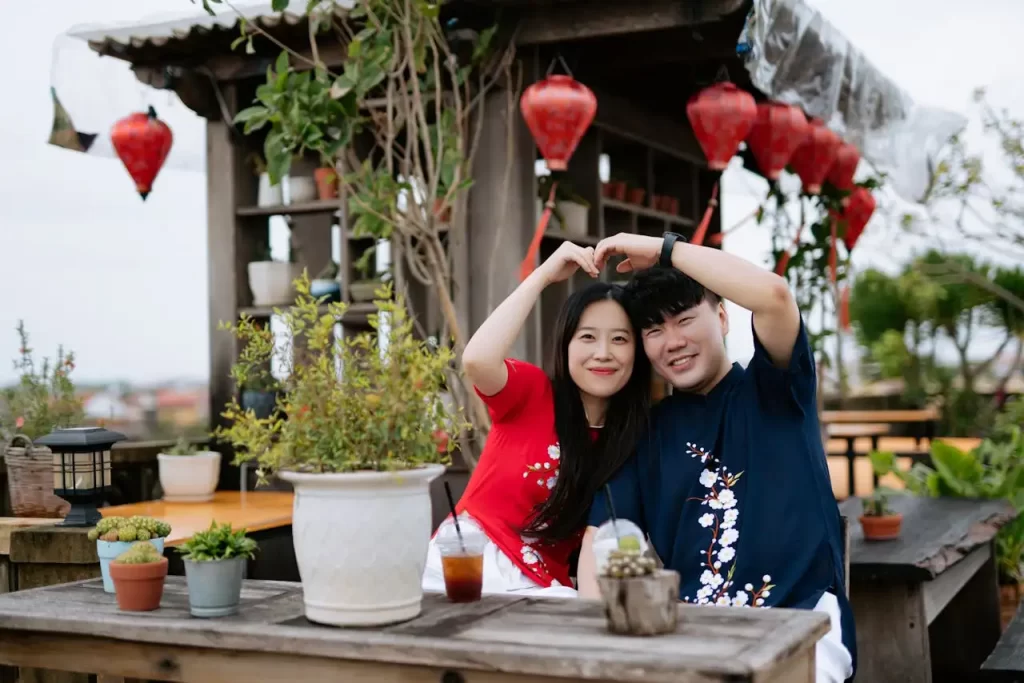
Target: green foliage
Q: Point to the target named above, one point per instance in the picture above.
(129, 529)
(877, 504)
(181, 447)
(218, 542)
(350, 406)
(44, 397)
(993, 470)
(141, 552)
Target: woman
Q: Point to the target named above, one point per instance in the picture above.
(554, 440)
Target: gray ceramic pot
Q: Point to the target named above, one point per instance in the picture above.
(214, 588)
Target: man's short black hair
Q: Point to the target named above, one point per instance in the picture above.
(657, 292)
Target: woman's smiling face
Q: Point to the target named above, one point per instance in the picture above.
(602, 350)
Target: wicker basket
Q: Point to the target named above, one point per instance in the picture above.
(30, 480)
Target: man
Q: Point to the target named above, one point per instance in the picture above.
(731, 483)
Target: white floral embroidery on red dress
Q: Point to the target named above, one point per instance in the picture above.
(719, 558)
(545, 473)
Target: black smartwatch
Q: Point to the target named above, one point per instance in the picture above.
(666, 248)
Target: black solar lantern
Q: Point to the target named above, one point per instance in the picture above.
(81, 469)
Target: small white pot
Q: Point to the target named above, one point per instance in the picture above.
(302, 189)
(271, 282)
(361, 544)
(269, 195)
(574, 218)
(189, 478)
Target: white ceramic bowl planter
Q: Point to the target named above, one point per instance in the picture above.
(361, 543)
(189, 478)
(271, 282)
(574, 218)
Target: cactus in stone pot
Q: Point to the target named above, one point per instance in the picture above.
(624, 564)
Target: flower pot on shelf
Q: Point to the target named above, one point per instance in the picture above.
(383, 543)
(1009, 601)
(188, 477)
(881, 527)
(271, 282)
(614, 189)
(301, 189)
(262, 403)
(635, 195)
(575, 218)
(331, 289)
(138, 575)
(326, 179)
(362, 291)
(267, 194)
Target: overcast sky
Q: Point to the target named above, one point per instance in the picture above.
(123, 282)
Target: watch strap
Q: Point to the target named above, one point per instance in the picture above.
(669, 242)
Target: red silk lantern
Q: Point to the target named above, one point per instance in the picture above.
(558, 111)
(778, 130)
(857, 211)
(813, 159)
(844, 167)
(722, 116)
(142, 142)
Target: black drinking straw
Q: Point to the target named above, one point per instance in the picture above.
(455, 517)
(611, 508)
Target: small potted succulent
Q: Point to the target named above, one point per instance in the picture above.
(214, 568)
(115, 535)
(879, 521)
(640, 597)
(139, 575)
(188, 474)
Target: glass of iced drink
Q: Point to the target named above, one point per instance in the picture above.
(462, 558)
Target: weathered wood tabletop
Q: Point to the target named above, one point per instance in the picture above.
(498, 639)
(926, 604)
(1006, 663)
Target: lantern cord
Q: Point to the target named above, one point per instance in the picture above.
(558, 58)
(719, 237)
(698, 235)
(527, 266)
(833, 256)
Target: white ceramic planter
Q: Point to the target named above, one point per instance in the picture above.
(301, 189)
(189, 478)
(574, 218)
(361, 544)
(267, 194)
(271, 282)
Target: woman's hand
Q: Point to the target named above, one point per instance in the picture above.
(566, 260)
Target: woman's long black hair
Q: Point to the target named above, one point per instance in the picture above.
(585, 465)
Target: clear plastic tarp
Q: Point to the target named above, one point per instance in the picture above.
(795, 56)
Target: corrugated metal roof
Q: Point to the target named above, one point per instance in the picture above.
(194, 35)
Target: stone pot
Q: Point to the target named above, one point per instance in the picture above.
(139, 587)
(214, 587)
(641, 605)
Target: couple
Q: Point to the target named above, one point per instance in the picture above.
(727, 476)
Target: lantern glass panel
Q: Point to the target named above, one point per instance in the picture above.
(81, 472)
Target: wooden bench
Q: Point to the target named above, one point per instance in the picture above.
(1006, 663)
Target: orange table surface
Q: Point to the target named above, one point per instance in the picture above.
(251, 510)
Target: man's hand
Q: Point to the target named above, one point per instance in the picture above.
(640, 251)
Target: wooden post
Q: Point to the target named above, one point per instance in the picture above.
(46, 555)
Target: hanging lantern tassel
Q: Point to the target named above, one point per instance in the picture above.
(780, 267)
(833, 254)
(698, 235)
(718, 238)
(844, 308)
(142, 142)
(558, 111)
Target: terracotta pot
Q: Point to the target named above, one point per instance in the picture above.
(882, 528)
(441, 213)
(636, 195)
(615, 189)
(326, 183)
(139, 587)
(1009, 600)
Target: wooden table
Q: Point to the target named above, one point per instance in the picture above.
(924, 419)
(500, 639)
(851, 432)
(253, 510)
(927, 604)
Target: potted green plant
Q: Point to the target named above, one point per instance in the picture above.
(879, 521)
(358, 445)
(365, 288)
(138, 574)
(115, 535)
(259, 391)
(571, 210)
(214, 568)
(188, 474)
(43, 399)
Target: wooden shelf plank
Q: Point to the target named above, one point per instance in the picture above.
(356, 313)
(644, 211)
(320, 206)
(589, 240)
